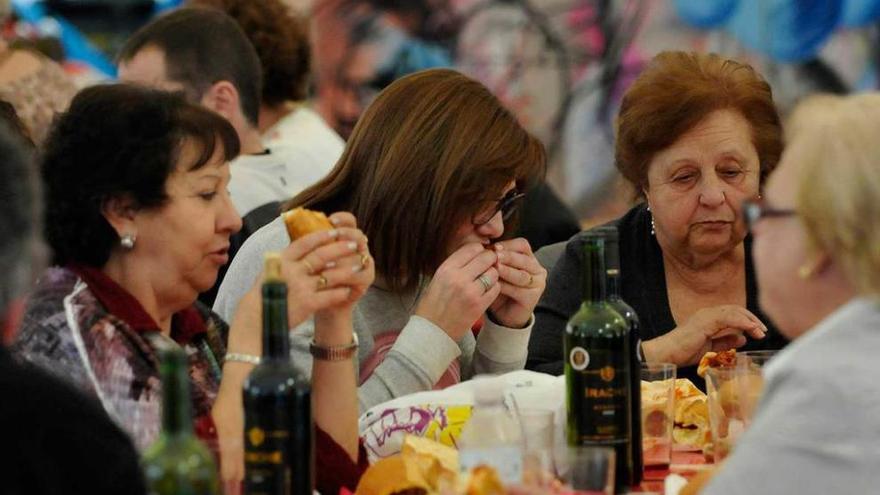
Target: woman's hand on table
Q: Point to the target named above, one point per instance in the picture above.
(716, 328)
(522, 280)
(457, 295)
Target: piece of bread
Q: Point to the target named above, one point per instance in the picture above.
(698, 482)
(723, 359)
(300, 222)
(484, 480)
(392, 475)
(423, 466)
(420, 447)
(690, 412)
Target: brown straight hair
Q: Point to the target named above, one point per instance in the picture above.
(434, 148)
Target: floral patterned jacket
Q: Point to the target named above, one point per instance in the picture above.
(83, 327)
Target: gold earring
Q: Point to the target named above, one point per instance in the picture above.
(805, 271)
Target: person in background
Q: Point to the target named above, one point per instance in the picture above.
(281, 39)
(206, 55)
(433, 170)
(55, 439)
(817, 233)
(139, 224)
(15, 124)
(696, 135)
(362, 46)
(36, 86)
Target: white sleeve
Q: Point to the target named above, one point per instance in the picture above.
(501, 349)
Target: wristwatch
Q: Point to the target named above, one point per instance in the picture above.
(336, 352)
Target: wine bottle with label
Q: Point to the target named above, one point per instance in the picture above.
(597, 368)
(178, 463)
(612, 271)
(278, 433)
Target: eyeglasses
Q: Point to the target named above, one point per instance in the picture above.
(753, 211)
(506, 205)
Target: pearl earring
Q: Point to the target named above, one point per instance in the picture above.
(127, 241)
(652, 222)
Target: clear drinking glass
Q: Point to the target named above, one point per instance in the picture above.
(538, 430)
(590, 469)
(658, 414)
(734, 393)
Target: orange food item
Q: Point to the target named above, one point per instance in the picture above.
(392, 475)
(698, 482)
(723, 359)
(484, 481)
(422, 467)
(300, 222)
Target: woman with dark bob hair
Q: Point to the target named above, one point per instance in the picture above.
(433, 169)
(139, 219)
(696, 135)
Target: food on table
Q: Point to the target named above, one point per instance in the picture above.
(300, 222)
(723, 359)
(422, 467)
(482, 480)
(690, 413)
(394, 475)
(698, 482)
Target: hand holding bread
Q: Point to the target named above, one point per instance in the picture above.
(328, 264)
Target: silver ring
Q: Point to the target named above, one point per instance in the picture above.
(487, 283)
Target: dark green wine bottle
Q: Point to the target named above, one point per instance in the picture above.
(612, 271)
(597, 368)
(178, 463)
(279, 453)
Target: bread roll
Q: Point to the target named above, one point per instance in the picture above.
(392, 475)
(300, 222)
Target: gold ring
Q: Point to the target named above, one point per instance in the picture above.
(309, 266)
(364, 259)
(322, 282)
(487, 283)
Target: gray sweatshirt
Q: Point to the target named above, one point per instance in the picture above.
(420, 355)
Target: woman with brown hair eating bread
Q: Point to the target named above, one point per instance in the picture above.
(433, 171)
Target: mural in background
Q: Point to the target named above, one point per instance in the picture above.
(562, 65)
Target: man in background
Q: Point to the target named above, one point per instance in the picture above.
(204, 54)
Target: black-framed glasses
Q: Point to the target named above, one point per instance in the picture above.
(506, 205)
(753, 211)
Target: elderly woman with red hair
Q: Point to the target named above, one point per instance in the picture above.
(696, 135)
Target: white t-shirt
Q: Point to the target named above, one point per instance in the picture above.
(277, 175)
(306, 130)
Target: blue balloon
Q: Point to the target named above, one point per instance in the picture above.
(785, 30)
(859, 13)
(705, 14)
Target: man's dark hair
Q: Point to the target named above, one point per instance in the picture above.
(201, 47)
(119, 141)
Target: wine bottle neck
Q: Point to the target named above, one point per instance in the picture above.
(594, 271)
(276, 343)
(176, 408)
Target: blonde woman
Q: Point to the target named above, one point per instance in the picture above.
(817, 254)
